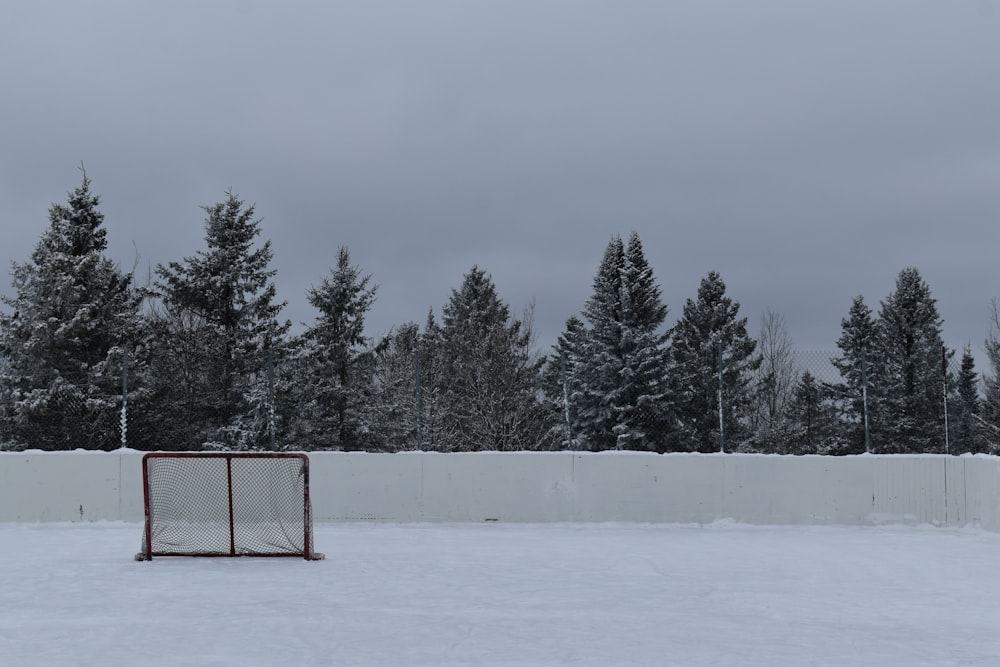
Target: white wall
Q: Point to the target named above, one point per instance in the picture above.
(562, 486)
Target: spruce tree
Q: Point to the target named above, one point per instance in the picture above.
(406, 406)
(911, 380)
(392, 411)
(217, 330)
(564, 377)
(712, 357)
(644, 414)
(965, 410)
(490, 377)
(430, 365)
(858, 344)
(621, 360)
(338, 378)
(812, 420)
(990, 404)
(601, 393)
(66, 341)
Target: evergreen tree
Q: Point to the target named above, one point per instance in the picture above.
(620, 363)
(66, 340)
(393, 407)
(490, 378)
(338, 380)
(711, 354)
(910, 416)
(563, 377)
(644, 413)
(859, 355)
(430, 366)
(965, 409)
(812, 419)
(600, 356)
(990, 404)
(406, 408)
(217, 327)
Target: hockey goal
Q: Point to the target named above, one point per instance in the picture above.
(226, 504)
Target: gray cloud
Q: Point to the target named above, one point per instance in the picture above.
(806, 150)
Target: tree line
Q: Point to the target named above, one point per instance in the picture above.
(199, 358)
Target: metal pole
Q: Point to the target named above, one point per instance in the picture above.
(419, 398)
(270, 395)
(944, 394)
(864, 399)
(565, 381)
(722, 423)
(123, 420)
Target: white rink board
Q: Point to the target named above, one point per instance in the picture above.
(65, 486)
(675, 488)
(982, 492)
(536, 487)
(523, 488)
(366, 487)
(798, 490)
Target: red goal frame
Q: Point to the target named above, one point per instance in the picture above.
(307, 529)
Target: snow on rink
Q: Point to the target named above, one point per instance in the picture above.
(503, 594)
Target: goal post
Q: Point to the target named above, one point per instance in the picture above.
(226, 504)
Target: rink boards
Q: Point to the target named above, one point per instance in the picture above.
(531, 487)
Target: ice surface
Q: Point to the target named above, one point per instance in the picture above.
(502, 594)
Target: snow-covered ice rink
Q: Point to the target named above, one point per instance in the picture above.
(504, 594)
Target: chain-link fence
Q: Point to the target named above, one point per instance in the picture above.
(65, 422)
(928, 409)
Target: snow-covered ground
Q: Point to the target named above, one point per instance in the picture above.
(503, 594)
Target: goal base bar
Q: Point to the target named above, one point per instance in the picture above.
(141, 556)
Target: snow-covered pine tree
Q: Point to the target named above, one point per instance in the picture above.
(708, 338)
(490, 378)
(429, 365)
(73, 313)
(215, 325)
(600, 354)
(404, 411)
(859, 357)
(562, 380)
(990, 404)
(392, 408)
(812, 420)
(620, 398)
(644, 418)
(965, 428)
(910, 374)
(340, 359)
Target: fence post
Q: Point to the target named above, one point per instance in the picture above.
(123, 420)
(565, 382)
(864, 399)
(944, 394)
(270, 396)
(722, 423)
(419, 399)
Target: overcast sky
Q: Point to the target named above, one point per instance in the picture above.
(808, 151)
